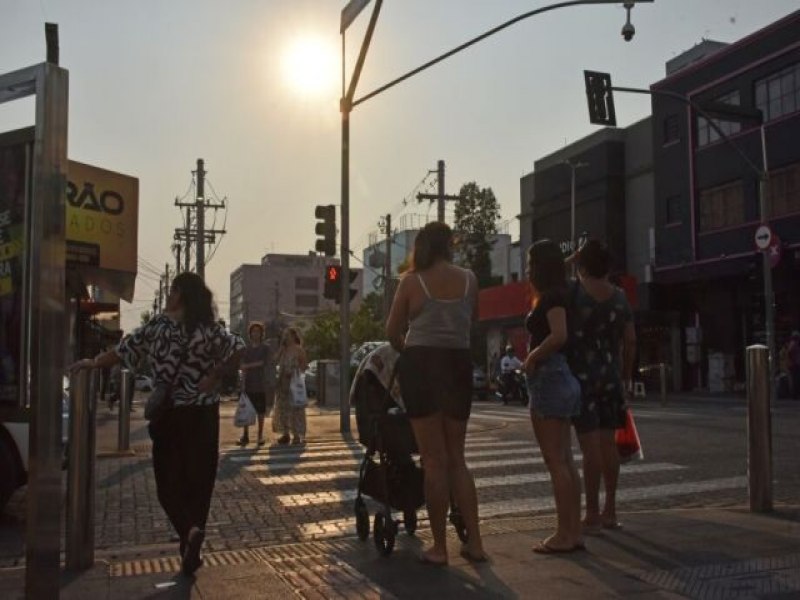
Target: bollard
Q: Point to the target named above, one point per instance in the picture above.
(759, 430)
(124, 425)
(662, 377)
(79, 547)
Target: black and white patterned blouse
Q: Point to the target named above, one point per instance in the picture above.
(170, 349)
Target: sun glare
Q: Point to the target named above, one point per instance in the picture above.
(310, 66)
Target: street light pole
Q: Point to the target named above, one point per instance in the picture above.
(573, 167)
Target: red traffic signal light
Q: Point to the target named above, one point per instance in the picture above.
(333, 283)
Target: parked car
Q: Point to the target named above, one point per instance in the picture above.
(143, 383)
(310, 376)
(480, 383)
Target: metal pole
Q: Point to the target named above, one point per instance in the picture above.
(84, 386)
(187, 253)
(440, 201)
(662, 376)
(759, 434)
(344, 337)
(124, 431)
(769, 306)
(573, 245)
(201, 200)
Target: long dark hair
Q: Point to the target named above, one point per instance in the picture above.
(546, 264)
(196, 299)
(433, 242)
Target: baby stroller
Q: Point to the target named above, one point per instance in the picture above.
(388, 472)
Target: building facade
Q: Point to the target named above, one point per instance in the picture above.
(707, 268)
(283, 289)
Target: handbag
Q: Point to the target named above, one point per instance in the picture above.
(160, 401)
(245, 414)
(297, 388)
(629, 446)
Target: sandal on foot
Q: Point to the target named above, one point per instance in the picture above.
(427, 560)
(191, 560)
(543, 548)
(466, 554)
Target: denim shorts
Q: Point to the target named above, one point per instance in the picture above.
(553, 390)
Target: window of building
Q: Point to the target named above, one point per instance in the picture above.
(706, 134)
(673, 207)
(779, 94)
(784, 191)
(722, 206)
(306, 301)
(306, 283)
(672, 129)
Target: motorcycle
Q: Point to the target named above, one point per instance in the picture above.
(511, 387)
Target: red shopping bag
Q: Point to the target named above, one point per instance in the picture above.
(629, 445)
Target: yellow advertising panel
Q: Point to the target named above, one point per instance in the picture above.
(102, 224)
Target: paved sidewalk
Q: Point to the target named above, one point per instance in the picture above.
(691, 553)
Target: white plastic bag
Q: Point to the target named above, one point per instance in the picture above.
(297, 388)
(245, 412)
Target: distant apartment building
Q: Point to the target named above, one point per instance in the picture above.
(283, 289)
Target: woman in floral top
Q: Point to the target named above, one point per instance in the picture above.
(189, 352)
(287, 417)
(602, 348)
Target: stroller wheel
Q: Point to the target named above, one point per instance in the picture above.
(362, 519)
(383, 532)
(458, 522)
(410, 521)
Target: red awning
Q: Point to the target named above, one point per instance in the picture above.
(504, 301)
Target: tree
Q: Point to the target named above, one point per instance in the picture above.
(367, 324)
(321, 339)
(477, 214)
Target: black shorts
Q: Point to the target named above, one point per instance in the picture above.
(259, 400)
(436, 380)
(606, 412)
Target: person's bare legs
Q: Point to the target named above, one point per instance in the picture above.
(430, 436)
(592, 472)
(463, 485)
(553, 436)
(610, 457)
(260, 428)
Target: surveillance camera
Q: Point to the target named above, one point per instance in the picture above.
(628, 31)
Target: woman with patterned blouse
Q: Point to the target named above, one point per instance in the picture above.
(288, 418)
(602, 347)
(189, 351)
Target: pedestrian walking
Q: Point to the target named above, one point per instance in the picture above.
(429, 323)
(602, 353)
(189, 352)
(288, 417)
(259, 385)
(553, 391)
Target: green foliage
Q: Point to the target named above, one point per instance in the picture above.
(477, 214)
(367, 325)
(321, 339)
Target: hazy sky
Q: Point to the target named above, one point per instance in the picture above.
(156, 85)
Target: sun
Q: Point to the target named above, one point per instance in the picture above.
(309, 66)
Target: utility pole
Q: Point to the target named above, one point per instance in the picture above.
(176, 248)
(440, 196)
(166, 279)
(160, 292)
(387, 268)
(196, 233)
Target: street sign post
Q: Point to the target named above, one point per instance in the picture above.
(763, 237)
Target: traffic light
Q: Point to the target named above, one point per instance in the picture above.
(333, 282)
(326, 229)
(600, 96)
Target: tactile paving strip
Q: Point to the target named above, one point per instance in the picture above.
(777, 576)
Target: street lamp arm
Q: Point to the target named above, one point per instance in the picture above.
(362, 55)
(475, 40)
(761, 173)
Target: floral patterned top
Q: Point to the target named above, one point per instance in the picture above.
(179, 359)
(596, 333)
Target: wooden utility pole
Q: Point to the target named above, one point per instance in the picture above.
(440, 197)
(387, 268)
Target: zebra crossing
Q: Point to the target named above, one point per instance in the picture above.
(318, 481)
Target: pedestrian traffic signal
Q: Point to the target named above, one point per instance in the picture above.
(326, 229)
(333, 282)
(600, 96)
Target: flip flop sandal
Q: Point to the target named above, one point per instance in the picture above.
(433, 563)
(543, 548)
(466, 554)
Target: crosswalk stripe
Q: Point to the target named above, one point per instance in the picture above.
(353, 474)
(493, 417)
(336, 496)
(346, 526)
(294, 458)
(290, 464)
